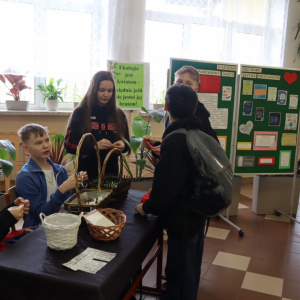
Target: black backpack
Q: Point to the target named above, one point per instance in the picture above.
(213, 174)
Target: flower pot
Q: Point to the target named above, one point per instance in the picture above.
(158, 106)
(52, 105)
(16, 105)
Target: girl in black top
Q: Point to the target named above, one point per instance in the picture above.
(98, 114)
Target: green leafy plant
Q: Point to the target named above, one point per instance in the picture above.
(141, 128)
(51, 92)
(58, 154)
(161, 100)
(7, 150)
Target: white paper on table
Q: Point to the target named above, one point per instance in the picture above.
(86, 260)
(285, 159)
(101, 255)
(264, 140)
(96, 218)
(92, 266)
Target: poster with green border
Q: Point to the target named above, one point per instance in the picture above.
(217, 91)
(132, 83)
(267, 121)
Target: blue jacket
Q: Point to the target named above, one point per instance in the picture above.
(31, 184)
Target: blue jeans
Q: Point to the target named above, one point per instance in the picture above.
(183, 267)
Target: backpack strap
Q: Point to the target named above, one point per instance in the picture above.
(207, 225)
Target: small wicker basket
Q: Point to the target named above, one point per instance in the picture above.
(77, 202)
(110, 233)
(119, 184)
(61, 230)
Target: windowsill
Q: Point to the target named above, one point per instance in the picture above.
(35, 112)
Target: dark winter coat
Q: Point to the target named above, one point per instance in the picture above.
(7, 220)
(173, 184)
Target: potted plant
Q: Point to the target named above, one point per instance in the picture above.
(7, 150)
(51, 94)
(160, 103)
(143, 158)
(17, 85)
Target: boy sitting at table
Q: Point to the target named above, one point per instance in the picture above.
(45, 183)
(173, 187)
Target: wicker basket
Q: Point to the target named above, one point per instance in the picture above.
(81, 200)
(110, 233)
(119, 184)
(61, 230)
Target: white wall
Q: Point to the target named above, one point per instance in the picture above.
(290, 43)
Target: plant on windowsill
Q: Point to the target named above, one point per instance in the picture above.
(160, 103)
(51, 94)
(17, 85)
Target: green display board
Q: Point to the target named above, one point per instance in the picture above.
(217, 92)
(267, 121)
(132, 83)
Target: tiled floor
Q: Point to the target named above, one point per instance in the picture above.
(262, 265)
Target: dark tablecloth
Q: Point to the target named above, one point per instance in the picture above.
(31, 270)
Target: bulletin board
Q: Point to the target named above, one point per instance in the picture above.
(217, 92)
(132, 83)
(267, 120)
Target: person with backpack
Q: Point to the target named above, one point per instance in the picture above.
(190, 76)
(172, 191)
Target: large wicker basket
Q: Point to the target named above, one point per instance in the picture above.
(119, 184)
(81, 200)
(110, 233)
(61, 230)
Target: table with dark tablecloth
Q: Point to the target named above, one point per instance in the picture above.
(31, 270)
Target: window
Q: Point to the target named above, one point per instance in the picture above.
(213, 30)
(53, 39)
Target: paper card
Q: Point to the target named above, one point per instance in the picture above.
(244, 146)
(210, 84)
(246, 128)
(266, 160)
(293, 102)
(101, 255)
(245, 161)
(272, 93)
(259, 114)
(274, 119)
(260, 91)
(223, 142)
(285, 159)
(265, 141)
(282, 97)
(291, 122)
(247, 87)
(92, 266)
(218, 116)
(96, 218)
(289, 139)
(247, 109)
(226, 93)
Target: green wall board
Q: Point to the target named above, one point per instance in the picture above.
(267, 120)
(217, 92)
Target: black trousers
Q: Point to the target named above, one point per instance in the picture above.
(183, 267)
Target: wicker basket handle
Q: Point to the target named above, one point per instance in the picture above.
(105, 163)
(42, 217)
(77, 159)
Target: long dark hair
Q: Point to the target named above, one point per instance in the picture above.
(114, 112)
